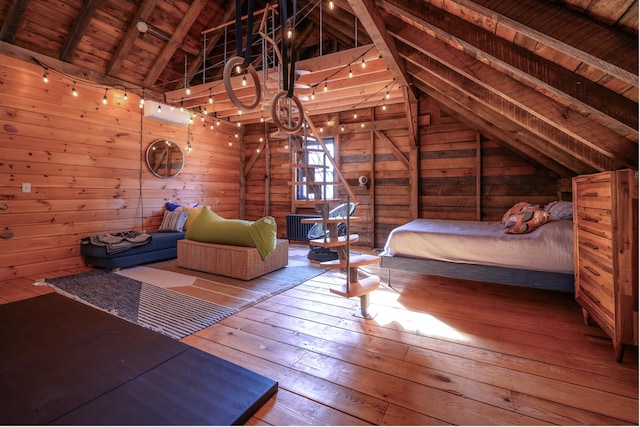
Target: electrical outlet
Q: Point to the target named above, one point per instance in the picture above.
(26, 187)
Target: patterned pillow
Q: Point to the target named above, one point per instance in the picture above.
(519, 207)
(173, 221)
(525, 221)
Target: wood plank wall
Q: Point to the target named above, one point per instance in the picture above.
(450, 167)
(83, 160)
(448, 161)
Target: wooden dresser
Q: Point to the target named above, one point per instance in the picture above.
(605, 209)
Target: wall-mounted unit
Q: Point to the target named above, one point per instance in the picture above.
(166, 113)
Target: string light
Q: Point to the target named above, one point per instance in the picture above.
(181, 105)
(363, 63)
(330, 4)
(355, 115)
(187, 89)
(350, 72)
(210, 97)
(159, 108)
(45, 77)
(313, 95)
(104, 98)
(74, 92)
(125, 96)
(325, 87)
(244, 80)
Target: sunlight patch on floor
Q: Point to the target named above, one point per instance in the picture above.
(388, 310)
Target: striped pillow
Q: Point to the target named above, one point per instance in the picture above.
(173, 221)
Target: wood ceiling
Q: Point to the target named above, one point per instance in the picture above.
(555, 81)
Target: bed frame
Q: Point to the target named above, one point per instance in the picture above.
(485, 273)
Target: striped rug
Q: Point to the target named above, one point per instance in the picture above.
(173, 301)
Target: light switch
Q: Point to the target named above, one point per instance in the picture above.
(26, 187)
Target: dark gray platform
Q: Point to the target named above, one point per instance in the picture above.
(62, 362)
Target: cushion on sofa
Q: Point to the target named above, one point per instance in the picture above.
(209, 227)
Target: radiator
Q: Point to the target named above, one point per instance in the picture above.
(296, 230)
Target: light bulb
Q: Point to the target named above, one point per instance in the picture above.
(387, 95)
(342, 128)
(330, 4)
(244, 80)
(125, 97)
(363, 63)
(187, 90)
(362, 124)
(355, 115)
(261, 119)
(325, 87)
(45, 77)
(289, 34)
(313, 95)
(204, 111)
(210, 99)
(74, 92)
(350, 72)
(104, 98)
(159, 108)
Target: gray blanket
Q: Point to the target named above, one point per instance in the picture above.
(118, 242)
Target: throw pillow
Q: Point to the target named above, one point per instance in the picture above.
(173, 221)
(193, 214)
(519, 207)
(525, 221)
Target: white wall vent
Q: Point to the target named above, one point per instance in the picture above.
(165, 113)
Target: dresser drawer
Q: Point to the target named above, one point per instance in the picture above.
(597, 274)
(594, 221)
(596, 246)
(593, 191)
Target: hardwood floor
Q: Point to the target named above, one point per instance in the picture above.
(439, 351)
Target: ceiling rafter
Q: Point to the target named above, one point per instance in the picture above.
(80, 25)
(368, 14)
(535, 71)
(117, 60)
(12, 22)
(176, 38)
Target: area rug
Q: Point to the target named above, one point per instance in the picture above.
(172, 300)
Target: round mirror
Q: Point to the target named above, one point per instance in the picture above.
(164, 158)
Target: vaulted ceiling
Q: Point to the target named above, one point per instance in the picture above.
(555, 81)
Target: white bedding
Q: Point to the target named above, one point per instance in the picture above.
(548, 248)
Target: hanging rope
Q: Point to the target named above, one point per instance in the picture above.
(287, 58)
(243, 62)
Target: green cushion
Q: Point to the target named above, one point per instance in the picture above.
(209, 227)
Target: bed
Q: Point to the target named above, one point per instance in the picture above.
(481, 251)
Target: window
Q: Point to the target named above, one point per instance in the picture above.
(324, 177)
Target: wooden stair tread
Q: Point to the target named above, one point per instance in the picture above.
(335, 220)
(354, 261)
(314, 183)
(334, 241)
(302, 165)
(359, 288)
(313, 203)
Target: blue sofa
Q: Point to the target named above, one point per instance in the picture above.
(163, 245)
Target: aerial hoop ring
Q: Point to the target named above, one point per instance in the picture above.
(228, 69)
(276, 118)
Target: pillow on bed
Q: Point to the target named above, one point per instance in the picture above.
(519, 207)
(173, 221)
(209, 227)
(560, 210)
(525, 221)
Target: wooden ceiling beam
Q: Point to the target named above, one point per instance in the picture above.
(614, 53)
(567, 130)
(577, 91)
(12, 21)
(124, 48)
(367, 13)
(78, 28)
(176, 38)
(211, 43)
(512, 133)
